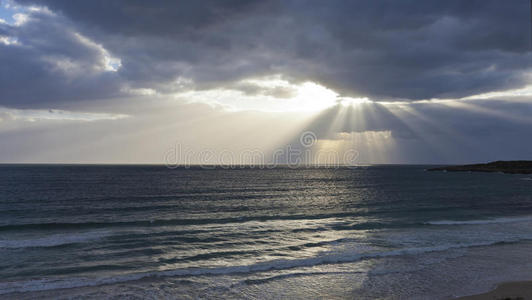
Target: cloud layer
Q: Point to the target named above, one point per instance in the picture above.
(384, 50)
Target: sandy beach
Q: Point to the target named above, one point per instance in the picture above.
(521, 290)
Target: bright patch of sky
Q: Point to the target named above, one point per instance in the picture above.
(8, 10)
(33, 115)
(272, 94)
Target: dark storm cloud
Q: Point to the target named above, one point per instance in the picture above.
(380, 49)
(49, 64)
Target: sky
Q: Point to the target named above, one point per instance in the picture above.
(230, 82)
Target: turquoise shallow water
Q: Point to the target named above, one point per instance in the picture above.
(149, 231)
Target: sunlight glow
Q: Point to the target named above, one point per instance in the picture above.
(367, 147)
(348, 101)
(525, 91)
(312, 97)
(271, 94)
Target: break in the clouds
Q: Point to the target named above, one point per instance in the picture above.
(63, 51)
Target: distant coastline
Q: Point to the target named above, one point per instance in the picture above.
(509, 167)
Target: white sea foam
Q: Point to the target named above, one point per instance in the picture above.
(344, 257)
(485, 221)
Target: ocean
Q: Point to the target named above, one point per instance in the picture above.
(149, 232)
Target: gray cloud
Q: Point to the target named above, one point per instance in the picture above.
(380, 49)
(51, 64)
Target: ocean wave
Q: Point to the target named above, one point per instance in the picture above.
(346, 257)
(484, 221)
(168, 222)
(153, 223)
(54, 240)
(295, 274)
